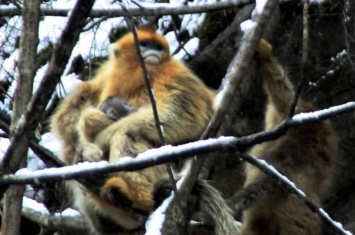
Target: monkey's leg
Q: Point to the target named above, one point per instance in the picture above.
(133, 189)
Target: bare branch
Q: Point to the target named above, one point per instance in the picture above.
(305, 41)
(26, 67)
(148, 85)
(29, 121)
(55, 69)
(170, 153)
(148, 10)
(237, 71)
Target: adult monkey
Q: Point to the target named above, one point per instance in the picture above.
(184, 105)
(305, 155)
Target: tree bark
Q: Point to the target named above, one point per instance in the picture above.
(26, 72)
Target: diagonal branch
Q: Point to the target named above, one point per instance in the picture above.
(292, 188)
(237, 72)
(29, 121)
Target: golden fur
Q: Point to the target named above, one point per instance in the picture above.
(184, 105)
(305, 155)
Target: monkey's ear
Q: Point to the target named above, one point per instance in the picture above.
(113, 51)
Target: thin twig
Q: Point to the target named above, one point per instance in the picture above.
(158, 125)
(304, 58)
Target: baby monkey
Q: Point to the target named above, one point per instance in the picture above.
(115, 107)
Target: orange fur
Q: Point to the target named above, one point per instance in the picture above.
(184, 106)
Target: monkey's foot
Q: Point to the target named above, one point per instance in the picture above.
(117, 191)
(92, 152)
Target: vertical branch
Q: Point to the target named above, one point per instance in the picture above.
(347, 24)
(23, 92)
(158, 126)
(29, 120)
(237, 72)
(305, 39)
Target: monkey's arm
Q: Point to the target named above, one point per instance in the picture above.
(64, 122)
(277, 86)
(91, 122)
(184, 112)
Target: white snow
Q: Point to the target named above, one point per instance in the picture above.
(4, 144)
(67, 85)
(156, 219)
(260, 5)
(247, 25)
(316, 114)
(191, 47)
(33, 205)
(337, 224)
(271, 168)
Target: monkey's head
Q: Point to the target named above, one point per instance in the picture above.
(154, 48)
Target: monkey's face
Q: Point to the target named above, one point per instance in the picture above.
(153, 47)
(152, 52)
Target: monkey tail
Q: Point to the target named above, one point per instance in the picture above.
(215, 206)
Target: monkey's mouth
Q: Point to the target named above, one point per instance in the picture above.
(151, 57)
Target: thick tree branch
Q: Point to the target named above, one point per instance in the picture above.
(170, 153)
(55, 69)
(29, 121)
(26, 71)
(148, 10)
(237, 72)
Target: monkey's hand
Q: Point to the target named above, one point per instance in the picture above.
(264, 50)
(92, 152)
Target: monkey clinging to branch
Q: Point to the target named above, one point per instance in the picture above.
(305, 155)
(184, 106)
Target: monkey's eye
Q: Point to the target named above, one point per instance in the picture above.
(143, 44)
(159, 48)
(149, 45)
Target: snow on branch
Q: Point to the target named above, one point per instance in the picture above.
(38, 103)
(234, 80)
(292, 188)
(146, 9)
(38, 213)
(170, 153)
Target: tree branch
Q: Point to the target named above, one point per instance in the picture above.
(148, 10)
(237, 72)
(52, 75)
(29, 121)
(292, 188)
(170, 153)
(26, 67)
(70, 219)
